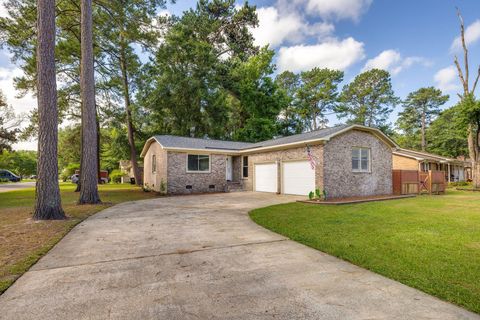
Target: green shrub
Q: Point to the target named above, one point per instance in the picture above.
(318, 193)
(311, 195)
(163, 187)
(116, 176)
(459, 184)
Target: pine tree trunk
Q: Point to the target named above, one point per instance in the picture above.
(89, 165)
(474, 155)
(130, 129)
(424, 143)
(47, 193)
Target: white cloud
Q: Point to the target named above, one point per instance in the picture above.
(334, 54)
(446, 79)
(20, 105)
(275, 28)
(26, 145)
(393, 62)
(472, 35)
(338, 9)
(3, 10)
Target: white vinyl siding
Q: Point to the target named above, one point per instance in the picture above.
(360, 159)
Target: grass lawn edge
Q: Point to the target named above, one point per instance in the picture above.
(16, 269)
(255, 216)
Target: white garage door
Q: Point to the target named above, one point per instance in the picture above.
(266, 177)
(298, 178)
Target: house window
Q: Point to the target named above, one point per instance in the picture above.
(154, 163)
(245, 167)
(198, 163)
(360, 159)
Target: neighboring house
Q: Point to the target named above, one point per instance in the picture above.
(346, 160)
(127, 170)
(455, 169)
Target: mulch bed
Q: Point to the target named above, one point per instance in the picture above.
(351, 200)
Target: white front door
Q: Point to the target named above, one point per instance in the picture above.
(229, 168)
(298, 177)
(265, 175)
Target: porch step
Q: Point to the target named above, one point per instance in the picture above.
(234, 186)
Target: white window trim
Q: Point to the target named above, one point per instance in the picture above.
(360, 170)
(243, 166)
(198, 154)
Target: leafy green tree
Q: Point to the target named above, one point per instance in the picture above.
(289, 121)
(69, 140)
(259, 100)
(209, 80)
(447, 134)
(119, 27)
(419, 109)
(8, 125)
(23, 163)
(115, 147)
(368, 100)
(317, 95)
(123, 25)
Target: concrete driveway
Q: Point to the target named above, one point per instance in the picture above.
(5, 187)
(201, 257)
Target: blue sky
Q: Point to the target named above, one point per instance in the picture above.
(414, 40)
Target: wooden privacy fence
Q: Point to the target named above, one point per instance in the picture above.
(415, 182)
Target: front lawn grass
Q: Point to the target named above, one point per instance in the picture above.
(23, 241)
(429, 242)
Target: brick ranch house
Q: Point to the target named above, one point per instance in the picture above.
(349, 160)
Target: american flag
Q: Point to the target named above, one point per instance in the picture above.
(311, 158)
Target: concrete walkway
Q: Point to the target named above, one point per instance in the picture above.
(201, 257)
(6, 187)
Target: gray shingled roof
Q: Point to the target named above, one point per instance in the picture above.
(195, 143)
(316, 134)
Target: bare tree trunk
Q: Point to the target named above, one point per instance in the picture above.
(89, 166)
(97, 123)
(473, 128)
(424, 143)
(47, 193)
(130, 129)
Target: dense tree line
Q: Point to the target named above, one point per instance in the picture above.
(125, 73)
